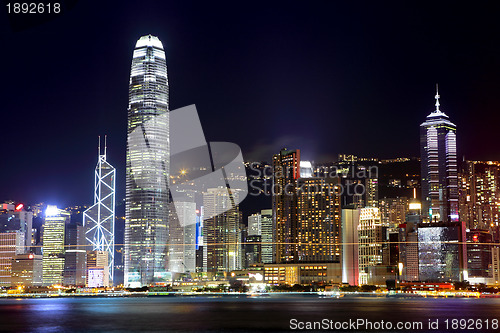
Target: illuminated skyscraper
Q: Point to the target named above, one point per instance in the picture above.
(371, 235)
(350, 265)
(99, 219)
(53, 244)
(15, 217)
(221, 232)
(11, 244)
(286, 166)
(438, 150)
(480, 194)
(267, 235)
(147, 171)
(318, 220)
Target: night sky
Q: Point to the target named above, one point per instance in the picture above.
(327, 77)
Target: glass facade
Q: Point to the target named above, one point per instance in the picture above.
(53, 245)
(440, 251)
(221, 232)
(438, 150)
(147, 170)
(99, 219)
(370, 241)
(286, 172)
(318, 220)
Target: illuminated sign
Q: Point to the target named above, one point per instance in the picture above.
(51, 211)
(95, 277)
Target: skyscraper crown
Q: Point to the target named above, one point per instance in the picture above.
(437, 112)
(149, 41)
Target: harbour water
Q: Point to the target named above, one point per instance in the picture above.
(244, 314)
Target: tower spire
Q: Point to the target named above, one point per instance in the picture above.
(437, 98)
(105, 144)
(99, 146)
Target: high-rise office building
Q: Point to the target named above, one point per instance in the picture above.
(438, 151)
(97, 269)
(442, 253)
(393, 210)
(479, 260)
(350, 266)
(318, 220)
(147, 170)
(480, 194)
(221, 232)
(371, 189)
(182, 240)
(266, 236)
(255, 225)
(75, 259)
(253, 246)
(306, 212)
(27, 270)
(99, 219)
(53, 245)
(286, 166)
(408, 241)
(11, 244)
(371, 236)
(408, 252)
(14, 217)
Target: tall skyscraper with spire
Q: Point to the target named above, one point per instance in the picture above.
(438, 150)
(147, 171)
(99, 219)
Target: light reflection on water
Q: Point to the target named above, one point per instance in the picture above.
(200, 314)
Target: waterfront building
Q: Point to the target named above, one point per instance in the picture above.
(495, 264)
(97, 269)
(267, 236)
(221, 232)
(27, 270)
(479, 259)
(182, 249)
(15, 217)
(11, 244)
(438, 151)
(306, 213)
(442, 252)
(305, 274)
(75, 259)
(99, 219)
(53, 245)
(371, 239)
(408, 241)
(147, 169)
(286, 167)
(318, 220)
(408, 252)
(350, 265)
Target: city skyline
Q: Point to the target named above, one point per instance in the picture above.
(266, 166)
(353, 67)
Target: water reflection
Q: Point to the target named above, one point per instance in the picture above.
(213, 314)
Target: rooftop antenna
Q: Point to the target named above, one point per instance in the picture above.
(437, 98)
(105, 144)
(99, 146)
